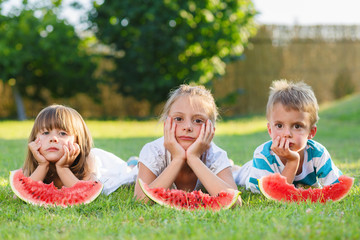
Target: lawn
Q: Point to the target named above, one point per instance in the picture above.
(119, 216)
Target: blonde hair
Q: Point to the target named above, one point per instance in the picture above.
(297, 96)
(69, 120)
(208, 101)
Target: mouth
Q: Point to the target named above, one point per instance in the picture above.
(186, 138)
(52, 149)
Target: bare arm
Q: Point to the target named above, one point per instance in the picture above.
(168, 176)
(40, 172)
(164, 180)
(291, 159)
(213, 183)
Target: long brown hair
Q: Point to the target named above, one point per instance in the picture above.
(69, 120)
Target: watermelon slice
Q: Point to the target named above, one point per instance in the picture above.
(275, 187)
(180, 199)
(39, 193)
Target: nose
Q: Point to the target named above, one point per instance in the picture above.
(188, 126)
(53, 138)
(287, 132)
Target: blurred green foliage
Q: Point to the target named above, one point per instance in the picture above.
(159, 44)
(41, 52)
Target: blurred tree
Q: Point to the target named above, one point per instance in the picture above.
(39, 51)
(159, 44)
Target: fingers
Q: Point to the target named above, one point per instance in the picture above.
(210, 131)
(35, 145)
(169, 129)
(280, 143)
(204, 139)
(71, 151)
(34, 148)
(207, 132)
(167, 126)
(281, 147)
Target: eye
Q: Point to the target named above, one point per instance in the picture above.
(44, 132)
(199, 121)
(177, 119)
(63, 133)
(297, 126)
(278, 125)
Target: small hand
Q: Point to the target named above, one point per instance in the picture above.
(70, 154)
(203, 141)
(34, 147)
(281, 147)
(170, 142)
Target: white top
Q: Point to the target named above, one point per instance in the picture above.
(156, 158)
(111, 170)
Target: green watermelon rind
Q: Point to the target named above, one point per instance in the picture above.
(298, 197)
(39, 203)
(144, 187)
(17, 193)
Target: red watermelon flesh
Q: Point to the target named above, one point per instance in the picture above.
(180, 199)
(275, 187)
(39, 193)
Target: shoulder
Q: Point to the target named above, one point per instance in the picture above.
(315, 149)
(215, 153)
(216, 158)
(154, 156)
(315, 145)
(264, 156)
(264, 149)
(154, 147)
(216, 149)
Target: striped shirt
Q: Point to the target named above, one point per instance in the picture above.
(318, 169)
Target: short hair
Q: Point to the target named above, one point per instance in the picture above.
(297, 96)
(192, 91)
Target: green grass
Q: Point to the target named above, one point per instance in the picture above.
(118, 216)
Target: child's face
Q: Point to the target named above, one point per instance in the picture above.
(188, 116)
(52, 142)
(290, 124)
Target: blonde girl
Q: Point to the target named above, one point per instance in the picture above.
(185, 157)
(60, 151)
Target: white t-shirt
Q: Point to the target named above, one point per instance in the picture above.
(156, 158)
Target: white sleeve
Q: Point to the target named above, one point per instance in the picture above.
(152, 155)
(217, 159)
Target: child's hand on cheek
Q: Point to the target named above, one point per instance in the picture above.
(34, 147)
(203, 141)
(281, 147)
(70, 154)
(170, 142)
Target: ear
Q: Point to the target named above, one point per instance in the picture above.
(269, 128)
(312, 132)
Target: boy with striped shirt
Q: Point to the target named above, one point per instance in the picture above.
(292, 113)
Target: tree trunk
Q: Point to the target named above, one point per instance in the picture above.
(19, 104)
